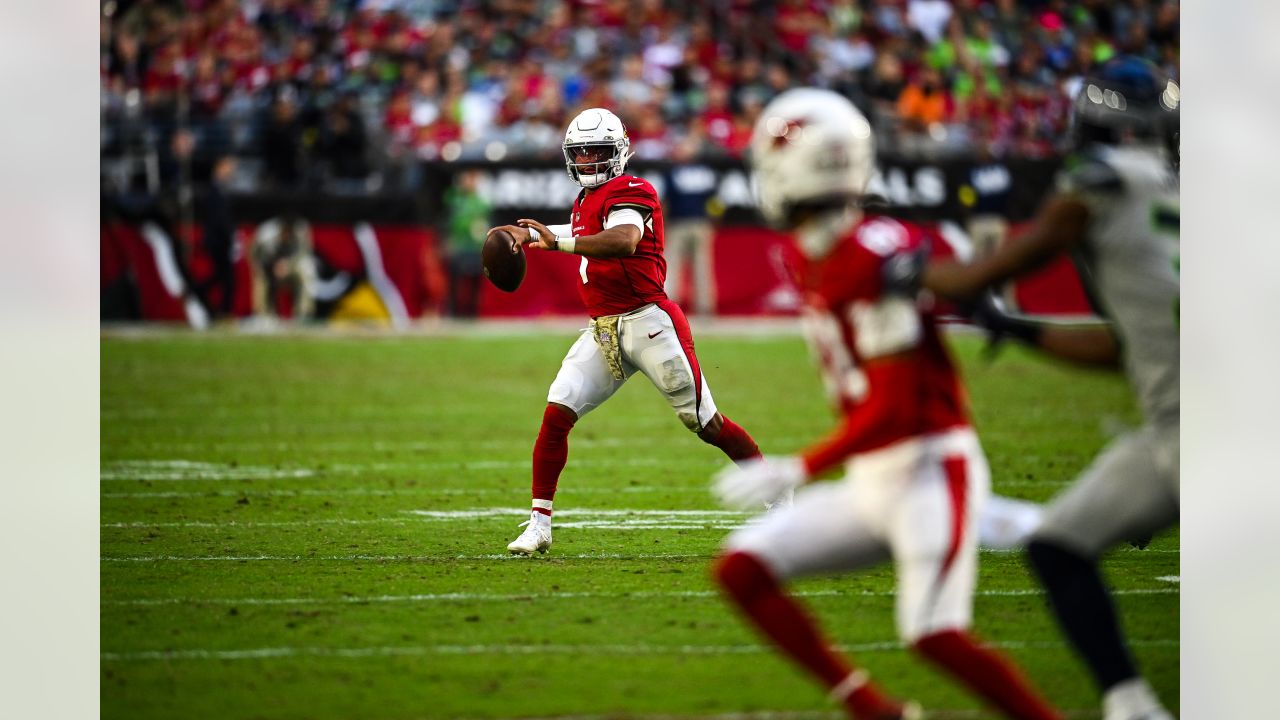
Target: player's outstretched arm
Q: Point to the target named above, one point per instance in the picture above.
(1094, 345)
(1060, 226)
(618, 241)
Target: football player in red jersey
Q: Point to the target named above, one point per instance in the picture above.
(617, 229)
(915, 479)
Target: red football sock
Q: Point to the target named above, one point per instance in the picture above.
(987, 673)
(752, 587)
(735, 442)
(550, 453)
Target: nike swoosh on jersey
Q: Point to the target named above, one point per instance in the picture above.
(631, 184)
(654, 335)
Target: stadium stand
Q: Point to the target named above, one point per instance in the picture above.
(347, 97)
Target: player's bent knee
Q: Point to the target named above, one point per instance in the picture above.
(569, 412)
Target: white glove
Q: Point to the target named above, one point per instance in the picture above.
(759, 481)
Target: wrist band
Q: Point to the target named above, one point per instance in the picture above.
(566, 244)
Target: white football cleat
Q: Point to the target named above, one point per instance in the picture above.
(536, 536)
(1133, 700)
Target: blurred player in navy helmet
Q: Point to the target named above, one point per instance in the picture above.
(1115, 212)
(616, 227)
(915, 480)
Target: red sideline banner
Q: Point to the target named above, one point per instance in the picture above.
(404, 256)
(751, 270)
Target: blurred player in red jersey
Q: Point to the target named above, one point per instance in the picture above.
(915, 479)
(617, 229)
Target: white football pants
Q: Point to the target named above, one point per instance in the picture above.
(917, 501)
(654, 340)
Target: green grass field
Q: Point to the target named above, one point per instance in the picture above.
(316, 528)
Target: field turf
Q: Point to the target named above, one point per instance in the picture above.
(301, 527)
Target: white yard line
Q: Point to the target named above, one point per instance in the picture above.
(193, 471)
(692, 519)
(209, 472)
(649, 524)
(524, 443)
(189, 471)
(507, 597)
(535, 649)
(932, 713)
(268, 524)
(336, 492)
(425, 489)
(571, 512)
(393, 558)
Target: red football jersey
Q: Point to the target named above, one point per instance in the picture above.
(883, 363)
(617, 285)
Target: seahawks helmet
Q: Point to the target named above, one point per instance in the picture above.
(1127, 98)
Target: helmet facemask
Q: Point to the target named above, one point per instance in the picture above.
(591, 164)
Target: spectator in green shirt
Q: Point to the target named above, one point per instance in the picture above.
(468, 218)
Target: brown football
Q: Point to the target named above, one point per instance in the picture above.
(505, 269)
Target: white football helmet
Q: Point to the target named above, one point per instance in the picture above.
(596, 147)
(810, 147)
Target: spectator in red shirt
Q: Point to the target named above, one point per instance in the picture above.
(795, 22)
(716, 117)
(648, 133)
(301, 55)
(398, 119)
(206, 87)
(706, 48)
(740, 134)
(162, 80)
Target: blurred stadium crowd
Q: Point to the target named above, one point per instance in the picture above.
(348, 95)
